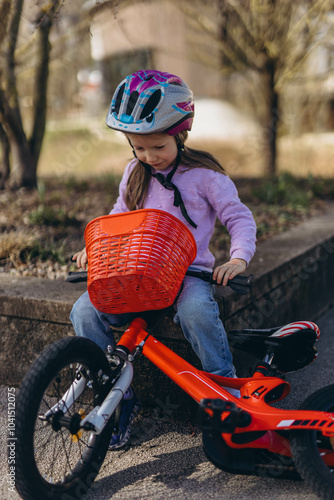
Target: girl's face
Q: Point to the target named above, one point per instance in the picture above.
(158, 150)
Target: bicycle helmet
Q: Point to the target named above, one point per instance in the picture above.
(148, 102)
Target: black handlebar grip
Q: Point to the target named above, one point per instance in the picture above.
(240, 284)
(76, 277)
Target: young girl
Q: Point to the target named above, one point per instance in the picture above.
(155, 111)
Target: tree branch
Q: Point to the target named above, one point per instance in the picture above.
(44, 24)
(4, 16)
(12, 36)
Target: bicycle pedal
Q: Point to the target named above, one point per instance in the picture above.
(213, 421)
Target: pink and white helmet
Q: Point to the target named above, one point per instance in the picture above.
(148, 102)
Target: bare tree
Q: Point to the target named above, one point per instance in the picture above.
(269, 38)
(20, 153)
(21, 138)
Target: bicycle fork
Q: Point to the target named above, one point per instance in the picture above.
(99, 416)
(97, 419)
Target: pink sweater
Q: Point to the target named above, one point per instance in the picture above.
(207, 195)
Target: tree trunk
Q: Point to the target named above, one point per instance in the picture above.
(270, 120)
(4, 163)
(17, 165)
(23, 171)
(40, 89)
(25, 153)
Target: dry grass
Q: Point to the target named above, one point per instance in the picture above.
(302, 156)
(83, 153)
(100, 151)
(14, 244)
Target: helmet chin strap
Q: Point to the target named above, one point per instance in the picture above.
(166, 182)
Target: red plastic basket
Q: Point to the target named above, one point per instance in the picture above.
(137, 260)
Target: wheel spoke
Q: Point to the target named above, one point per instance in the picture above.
(62, 448)
(51, 461)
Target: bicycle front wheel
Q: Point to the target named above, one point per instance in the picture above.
(312, 452)
(53, 456)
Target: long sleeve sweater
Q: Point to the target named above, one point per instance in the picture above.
(207, 195)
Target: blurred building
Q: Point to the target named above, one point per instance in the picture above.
(153, 35)
(158, 35)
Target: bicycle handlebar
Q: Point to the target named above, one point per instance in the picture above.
(239, 284)
(76, 277)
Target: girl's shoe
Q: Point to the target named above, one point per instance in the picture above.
(129, 411)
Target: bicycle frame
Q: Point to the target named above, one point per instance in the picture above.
(251, 413)
(242, 435)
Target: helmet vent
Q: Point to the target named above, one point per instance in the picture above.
(118, 99)
(151, 104)
(132, 101)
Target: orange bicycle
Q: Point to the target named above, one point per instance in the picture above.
(68, 404)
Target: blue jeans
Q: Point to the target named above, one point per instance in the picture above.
(196, 312)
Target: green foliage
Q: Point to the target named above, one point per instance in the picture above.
(47, 251)
(284, 189)
(48, 216)
(280, 202)
(320, 187)
(79, 185)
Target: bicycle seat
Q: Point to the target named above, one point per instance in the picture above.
(292, 344)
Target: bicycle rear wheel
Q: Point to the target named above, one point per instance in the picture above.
(310, 449)
(53, 462)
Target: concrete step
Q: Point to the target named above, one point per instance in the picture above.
(294, 280)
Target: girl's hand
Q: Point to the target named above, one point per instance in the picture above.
(229, 270)
(81, 259)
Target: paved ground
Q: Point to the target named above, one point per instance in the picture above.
(166, 460)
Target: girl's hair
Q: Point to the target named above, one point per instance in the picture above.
(139, 178)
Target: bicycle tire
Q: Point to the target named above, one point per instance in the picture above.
(55, 464)
(305, 447)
